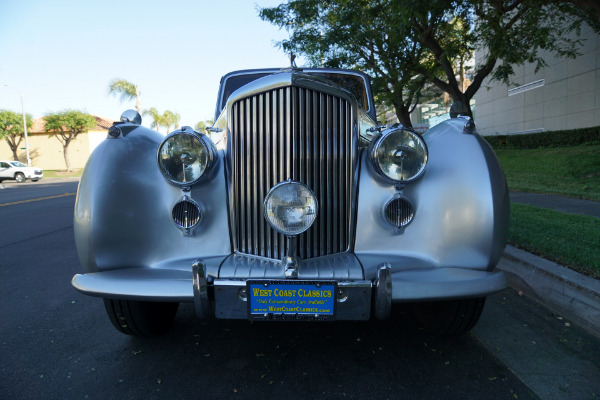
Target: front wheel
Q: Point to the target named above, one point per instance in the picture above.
(449, 318)
(19, 177)
(140, 318)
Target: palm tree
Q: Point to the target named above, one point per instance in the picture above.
(202, 125)
(157, 119)
(170, 119)
(127, 90)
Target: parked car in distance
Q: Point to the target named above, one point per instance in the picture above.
(16, 170)
(294, 205)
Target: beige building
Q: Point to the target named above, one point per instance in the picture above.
(46, 151)
(563, 95)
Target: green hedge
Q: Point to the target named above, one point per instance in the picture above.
(574, 137)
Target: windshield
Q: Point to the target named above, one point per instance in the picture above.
(17, 164)
(352, 83)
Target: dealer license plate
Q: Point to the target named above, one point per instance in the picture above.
(291, 300)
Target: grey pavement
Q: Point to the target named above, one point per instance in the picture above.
(558, 203)
(10, 183)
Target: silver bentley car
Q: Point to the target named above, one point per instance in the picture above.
(294, 205)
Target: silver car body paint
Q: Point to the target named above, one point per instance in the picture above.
(130, 248)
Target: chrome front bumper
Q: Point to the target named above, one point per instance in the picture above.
(222, 294)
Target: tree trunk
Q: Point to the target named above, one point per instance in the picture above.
(138, 103)
(66, 155)
(14, 151)
(462, 75)
(14, 147)
(403, 115)
(461, 106)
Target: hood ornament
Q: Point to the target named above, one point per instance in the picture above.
(293, 67)
(292, 57)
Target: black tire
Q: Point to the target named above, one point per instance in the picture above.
(140, 318)
(19, 177)
(449, 318)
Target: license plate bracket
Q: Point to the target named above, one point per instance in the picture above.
(278, 300)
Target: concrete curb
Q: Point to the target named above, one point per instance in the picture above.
(564, 291)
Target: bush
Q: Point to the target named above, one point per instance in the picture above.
(574, 137)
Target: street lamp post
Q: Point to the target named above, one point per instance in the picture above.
(24, 122)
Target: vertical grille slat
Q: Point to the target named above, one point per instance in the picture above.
(295, 133)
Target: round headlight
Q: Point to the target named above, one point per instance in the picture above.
(400, 155)
(185, 156)
(290, 207)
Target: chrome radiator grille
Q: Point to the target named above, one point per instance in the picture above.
(300, 134)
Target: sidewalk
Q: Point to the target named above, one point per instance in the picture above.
(564, 291)
(558, 203)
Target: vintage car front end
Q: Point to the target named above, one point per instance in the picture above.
(298, 207)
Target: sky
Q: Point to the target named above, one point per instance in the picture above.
(63, 54)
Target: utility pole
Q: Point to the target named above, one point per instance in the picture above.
(24, 122)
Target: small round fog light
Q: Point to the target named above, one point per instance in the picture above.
(290, 207)
(399, 212)
(186, 213)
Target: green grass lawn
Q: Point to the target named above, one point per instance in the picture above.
(570, 171)
(567, 239)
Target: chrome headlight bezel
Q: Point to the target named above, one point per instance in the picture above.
(410, 139)
(209, 156)
(269, 217)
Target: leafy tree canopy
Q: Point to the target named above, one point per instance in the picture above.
(11, 123)
(67, 125)
(202, 125)
(11, 129)
(171, 119)
(405, 43)
(167, 119)
(69, 121)
(127, 91)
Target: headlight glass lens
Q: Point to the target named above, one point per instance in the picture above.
(290, 208)
(400, 155)
(183, 158)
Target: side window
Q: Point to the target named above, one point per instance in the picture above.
(3, 165)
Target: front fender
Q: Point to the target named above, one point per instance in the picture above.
(461, 208)
(123, 210)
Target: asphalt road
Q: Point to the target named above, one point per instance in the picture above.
(58, 344)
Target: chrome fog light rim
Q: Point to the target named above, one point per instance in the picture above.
(399, 211)
(185, 167)
(290, 207)
(186, 213)
(409, 146)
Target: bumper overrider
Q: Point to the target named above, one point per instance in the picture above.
(229, 296)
